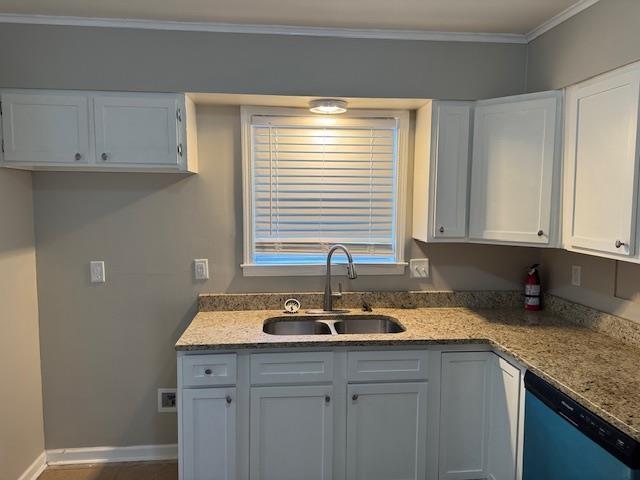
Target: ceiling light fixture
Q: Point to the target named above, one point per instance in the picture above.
(328, 106)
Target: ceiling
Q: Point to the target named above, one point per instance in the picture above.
(481, 16)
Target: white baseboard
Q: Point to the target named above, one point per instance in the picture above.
(36, 468)
(137, 453)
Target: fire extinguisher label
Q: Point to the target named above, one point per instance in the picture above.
(532, 301)
(532, 290)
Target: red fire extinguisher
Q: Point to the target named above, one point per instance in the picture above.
(532, 289)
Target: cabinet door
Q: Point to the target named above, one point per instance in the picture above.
(135, 130)
(291, 433)
(512, 172)
(42, 129)
(450, 168)
(601, 163)
(209, 434)
(464, 415)
(386, 431)
(504, 406)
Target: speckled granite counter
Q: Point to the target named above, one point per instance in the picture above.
(598, 371)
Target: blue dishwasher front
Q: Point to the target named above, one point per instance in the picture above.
(565, 441)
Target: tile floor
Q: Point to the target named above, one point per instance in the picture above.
(113, 471)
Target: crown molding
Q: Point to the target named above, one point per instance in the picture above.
(563, 16)
(382, 34)
(365, 33)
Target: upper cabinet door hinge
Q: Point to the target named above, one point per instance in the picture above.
(180, 149)
(179, 114)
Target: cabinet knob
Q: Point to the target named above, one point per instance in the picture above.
(441, 229)
(78, 157)
(354, 397)
(208, 371)
(540, 233)
(104, 157)
(228, 399)
(327, 398)
(619, 244)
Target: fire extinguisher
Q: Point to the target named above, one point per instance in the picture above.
(532, 289)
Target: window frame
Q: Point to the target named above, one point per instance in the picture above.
(250, 269)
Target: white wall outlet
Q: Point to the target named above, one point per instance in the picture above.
(167, 400)
(576, 275)
(97, 271)
(419, 268)
(201, 268)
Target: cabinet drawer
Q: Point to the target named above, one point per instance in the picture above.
(382, 365)
(208, 370)
(290, 368)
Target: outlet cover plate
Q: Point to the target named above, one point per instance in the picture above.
(96, 269)
(419, 268)
(201, 268)
(167, 400)
(576, 275)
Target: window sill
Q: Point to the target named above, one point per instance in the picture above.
(252, 270)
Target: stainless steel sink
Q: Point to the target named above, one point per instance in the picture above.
(299, 326)
(331, 325)
(377, 324)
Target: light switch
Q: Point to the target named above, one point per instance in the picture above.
(419, 268)
(97, 271)
(201, 268)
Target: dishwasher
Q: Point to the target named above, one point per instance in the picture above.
(565, 441)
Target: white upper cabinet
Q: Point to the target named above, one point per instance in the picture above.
(441, 171)
(137, 131)
(601, 164)
(515, 170)
(99, 131)
(43, 128)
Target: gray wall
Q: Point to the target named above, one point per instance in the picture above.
(106, 348)
(35, 56)
(601, 38)
(21, 430)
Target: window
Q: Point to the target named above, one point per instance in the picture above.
(313, 181)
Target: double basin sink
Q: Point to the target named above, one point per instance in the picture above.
(331, 325)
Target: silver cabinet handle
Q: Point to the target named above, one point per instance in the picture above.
(354, 397)
(78, 157)
(228, 399)
(540, 233)
(441, 229)
(619, 244)
(104, 157)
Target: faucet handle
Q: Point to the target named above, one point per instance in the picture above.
(339, 294)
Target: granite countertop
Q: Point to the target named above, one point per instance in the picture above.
(596, 370)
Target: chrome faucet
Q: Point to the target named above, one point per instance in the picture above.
(329, 296)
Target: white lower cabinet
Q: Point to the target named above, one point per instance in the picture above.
(443, 416)
(208, 434)
(387, 431)
(480, 396)
(291, 433)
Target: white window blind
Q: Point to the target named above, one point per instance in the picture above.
(317, 182)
